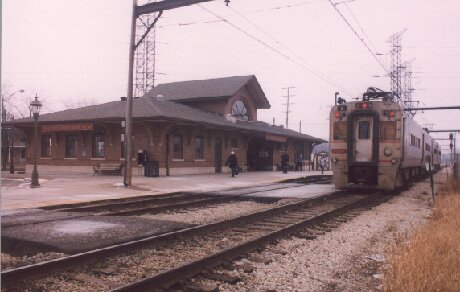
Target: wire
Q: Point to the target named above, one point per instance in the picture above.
(270, 47)
(359, 25)
(286, 47)
(359, 37)
(289, 6)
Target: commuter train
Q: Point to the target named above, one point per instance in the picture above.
(375, 144)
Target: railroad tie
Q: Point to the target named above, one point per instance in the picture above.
(223, 278)
(259, 259)
(261, 227)
(326, 229)
(85, 278)
(307, 236)
(277, 251)
(329, 225)
(240, 230)
(245, 267)
(204, 287)
(315, 232)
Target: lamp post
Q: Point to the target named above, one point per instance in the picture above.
(35, 107)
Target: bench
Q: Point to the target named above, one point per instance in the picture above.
(113, 167)
(20, 169)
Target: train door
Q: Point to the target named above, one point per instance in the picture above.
(363, 139)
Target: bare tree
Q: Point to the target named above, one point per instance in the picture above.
(82, 102)
(14, 103)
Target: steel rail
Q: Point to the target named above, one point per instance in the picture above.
(13, 276)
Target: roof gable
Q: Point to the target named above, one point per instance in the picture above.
(198, 90)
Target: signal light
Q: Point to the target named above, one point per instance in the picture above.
(392, 114)
(337, 114)
(363, 105)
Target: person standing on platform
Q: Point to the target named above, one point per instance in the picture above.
(285, 162)
(232, 162)
(299, 162)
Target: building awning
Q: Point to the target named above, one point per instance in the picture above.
(275, 138)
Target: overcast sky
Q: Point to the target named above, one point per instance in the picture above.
(71, 50)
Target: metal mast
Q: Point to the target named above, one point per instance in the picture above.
(396, 68)
(145, 53)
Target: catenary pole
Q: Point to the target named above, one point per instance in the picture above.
(129, 105)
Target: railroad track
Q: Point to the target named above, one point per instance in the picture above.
(164, 256)
(173, 201)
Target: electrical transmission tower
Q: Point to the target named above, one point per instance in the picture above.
(288, 103)
(144, 76)
(407, 89)
(399, 72)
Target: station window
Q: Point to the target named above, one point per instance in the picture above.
(364, 130)
(46, 146)
(23, 155)
(199, 147)
(98, 146)
(71, 146)
(178, 147)
(340, 131)
(387, 130)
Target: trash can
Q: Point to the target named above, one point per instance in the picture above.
(151, 168)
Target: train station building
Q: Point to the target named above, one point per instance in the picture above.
(187, 127)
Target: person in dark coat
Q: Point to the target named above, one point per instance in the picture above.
(285, 162)
(232, 162)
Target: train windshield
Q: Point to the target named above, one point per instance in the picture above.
(387, 131)
(340, 131)
(364, 130)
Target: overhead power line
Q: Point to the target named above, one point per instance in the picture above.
(359, 25)
(359, 37)
(270, 47)
(286, 47)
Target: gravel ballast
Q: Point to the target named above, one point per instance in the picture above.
(347, 259)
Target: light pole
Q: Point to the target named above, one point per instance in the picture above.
(35, 107)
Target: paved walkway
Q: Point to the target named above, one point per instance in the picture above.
(66, 188)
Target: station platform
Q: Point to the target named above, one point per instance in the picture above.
(73, 188)
(28, 230)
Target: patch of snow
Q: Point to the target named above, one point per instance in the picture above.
(80, 226)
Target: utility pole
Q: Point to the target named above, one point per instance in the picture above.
(288, 103)
(129, 104)
(300, 127)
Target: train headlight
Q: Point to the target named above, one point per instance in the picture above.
(334, 160)
(394, 161)
(387, 151)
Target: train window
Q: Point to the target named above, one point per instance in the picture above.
(364, 129)
(387, 130)
(340, 131)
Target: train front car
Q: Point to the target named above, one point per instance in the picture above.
(365, 142)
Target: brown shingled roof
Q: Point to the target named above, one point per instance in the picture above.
(152, 109)
(192, 90)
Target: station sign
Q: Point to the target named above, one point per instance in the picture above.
(67, 127)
